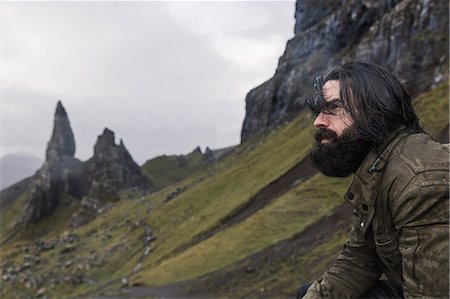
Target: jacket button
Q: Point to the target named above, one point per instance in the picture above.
(349, 196)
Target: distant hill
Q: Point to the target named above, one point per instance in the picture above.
(165, 170)
(15, 167)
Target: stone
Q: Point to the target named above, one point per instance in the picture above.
(88, 210)
(174, 194)
(41, 291)
(48, 245)
(70, 238)
(68, 249)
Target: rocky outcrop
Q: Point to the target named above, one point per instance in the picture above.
(112, 169)
(61, 172)
(89, 208)
(409, 37)
(62, 142)
(94, 183)
(208, 156)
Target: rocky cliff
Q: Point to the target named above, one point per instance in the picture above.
(101, 179)
(112, 168)
(61, 172)
(409, 37)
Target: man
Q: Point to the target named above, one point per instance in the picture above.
(399, 242)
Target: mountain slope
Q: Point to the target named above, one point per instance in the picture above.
(243, 227)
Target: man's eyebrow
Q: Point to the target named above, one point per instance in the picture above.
(332, 101)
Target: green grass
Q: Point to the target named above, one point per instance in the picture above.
(433, 109)
(283, 218)
(11, 214)
(165, 170)
(281, 280)
(200, 208)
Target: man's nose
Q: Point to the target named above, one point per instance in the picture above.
(321, 121)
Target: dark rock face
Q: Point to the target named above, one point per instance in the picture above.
(408, 37)
(112, 169)
(208, 156)
(62, 142)
(61, 172)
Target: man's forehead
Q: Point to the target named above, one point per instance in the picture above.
(331, 89)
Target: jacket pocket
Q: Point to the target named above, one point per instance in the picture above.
(388, 250)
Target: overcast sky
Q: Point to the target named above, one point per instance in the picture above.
(164, 76)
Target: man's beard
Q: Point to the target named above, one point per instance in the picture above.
(342, 155)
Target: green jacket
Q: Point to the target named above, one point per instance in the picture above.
(400, 222)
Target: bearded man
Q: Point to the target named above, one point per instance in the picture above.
(399, 241)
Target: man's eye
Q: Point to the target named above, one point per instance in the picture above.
(334, 105)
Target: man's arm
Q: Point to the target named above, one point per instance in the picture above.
(421, 216)
(353, 273)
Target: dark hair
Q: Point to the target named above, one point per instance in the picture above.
(375, 99)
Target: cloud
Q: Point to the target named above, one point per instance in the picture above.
(165, 76)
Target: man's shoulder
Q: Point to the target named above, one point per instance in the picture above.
(416, 181)
(418, 160)
(420, 153)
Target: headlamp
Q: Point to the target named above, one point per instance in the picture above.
(317, 103)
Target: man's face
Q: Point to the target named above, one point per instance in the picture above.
(337, 151)
(334, 117)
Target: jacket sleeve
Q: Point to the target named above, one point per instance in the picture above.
(355, 270)
(421, 216)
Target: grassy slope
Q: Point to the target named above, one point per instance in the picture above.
(222, 188)
(165, 170)
(281, 280)
(283, 218)
(213, 194)
(213, 199)
(11, 214)
(233, 244)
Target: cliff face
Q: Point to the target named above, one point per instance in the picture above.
(408, 37)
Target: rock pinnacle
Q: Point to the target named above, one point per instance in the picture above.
(62, 142)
